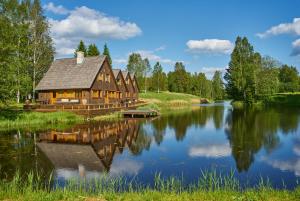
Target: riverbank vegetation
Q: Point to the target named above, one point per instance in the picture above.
(252, 78)
(210, 186)
(166, 101)
(14, 119)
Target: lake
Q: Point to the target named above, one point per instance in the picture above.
(253, 143)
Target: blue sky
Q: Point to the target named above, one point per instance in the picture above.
(199, 33)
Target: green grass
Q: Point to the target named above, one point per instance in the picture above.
(15, 119)
(168, 101)
(286, 99)
(108, 117)
(210, 186)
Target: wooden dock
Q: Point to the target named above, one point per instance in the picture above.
(140, 113)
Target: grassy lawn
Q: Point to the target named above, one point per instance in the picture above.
(166, 101)
(12, 119)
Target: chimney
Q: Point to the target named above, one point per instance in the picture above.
(80, 57)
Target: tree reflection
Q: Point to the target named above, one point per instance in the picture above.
(251, 129)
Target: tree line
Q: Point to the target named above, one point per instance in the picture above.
(179, 80)
(251, 77)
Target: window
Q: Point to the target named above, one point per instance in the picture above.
(100, 77)
(107, 78)
(95, 94)
(54, 94)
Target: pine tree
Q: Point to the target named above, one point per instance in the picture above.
(106, 52)
(93, 50)
(81, 47)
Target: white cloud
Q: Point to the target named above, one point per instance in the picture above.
(284, 28)
(209, 71)
(56, 9)
(89, 25)
(126, 166)
(216, 46)
(153, 57)
(120, 61)
(210, 150)
(296, 48)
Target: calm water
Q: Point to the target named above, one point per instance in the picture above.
(254, 143)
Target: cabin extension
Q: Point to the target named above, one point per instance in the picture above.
(86, 80)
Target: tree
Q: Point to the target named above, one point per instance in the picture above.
(138, 66)
(241, 76)
(93, 50)
(147, 69)
(106, 52)
(179, 79)
(268, 82)
(217, 86)
(81, 47)
(157, 77)
(42, 51)
(288, 77)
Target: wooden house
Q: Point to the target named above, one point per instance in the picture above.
(81, 80)
(135, 86)
(121, 85)
(129, 83)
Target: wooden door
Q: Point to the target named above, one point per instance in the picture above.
(53, 97)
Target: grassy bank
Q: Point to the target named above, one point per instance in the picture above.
(168, 101)
(13, 119)
(209, 187)
(280, 99)
(286, 99)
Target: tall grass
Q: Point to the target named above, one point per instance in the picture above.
(19, 119)
(210, 186)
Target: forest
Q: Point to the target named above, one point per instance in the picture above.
(27, 51)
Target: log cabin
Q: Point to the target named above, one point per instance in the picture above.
(122, 85)
(129, 83)
(135, 86)
(80, 80)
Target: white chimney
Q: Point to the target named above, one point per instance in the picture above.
(80, 57)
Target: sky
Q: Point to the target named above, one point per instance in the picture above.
(201, 34)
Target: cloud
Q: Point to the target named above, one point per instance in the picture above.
(284, 28)
(209, 71)
(89, 25)
(216, 46)
(296, 48)
(210, 150)
(153, 57)
(56, 9)
(126, 166)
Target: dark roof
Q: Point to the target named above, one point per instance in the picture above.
(67, 74)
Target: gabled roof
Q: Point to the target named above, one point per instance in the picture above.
(67, 74)
(116, 73)
(125, 73)
(132, 75)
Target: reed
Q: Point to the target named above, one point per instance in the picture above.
(210, 186)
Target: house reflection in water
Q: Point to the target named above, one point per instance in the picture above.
(87, 150)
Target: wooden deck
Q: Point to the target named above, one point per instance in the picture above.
(140, 113)
(86, 110)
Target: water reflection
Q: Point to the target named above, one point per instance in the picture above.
(87, 150)
(254, 142)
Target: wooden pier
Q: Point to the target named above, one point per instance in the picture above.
(140, 113)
